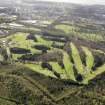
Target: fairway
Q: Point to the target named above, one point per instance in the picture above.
(73, 66)
(77, 59)
(89, 58)
(66, 28)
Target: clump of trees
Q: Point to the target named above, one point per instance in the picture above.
(17, 50)
(43, 48)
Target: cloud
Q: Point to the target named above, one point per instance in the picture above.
(80, 1)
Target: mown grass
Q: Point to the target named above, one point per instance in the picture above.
(89, 64)
(19, 40)
(39, 69)
(43, 42)
(68, 72)
(74, 30)
(56, 67)
(66, 28)
(89, 58)
(77, 59)
(92, 75)
(68, 66)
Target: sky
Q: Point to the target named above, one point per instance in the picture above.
(80, 1)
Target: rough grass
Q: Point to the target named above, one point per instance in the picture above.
(93, 94)
(4, 101)
(1, 58)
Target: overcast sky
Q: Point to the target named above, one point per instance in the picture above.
(81, 1)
